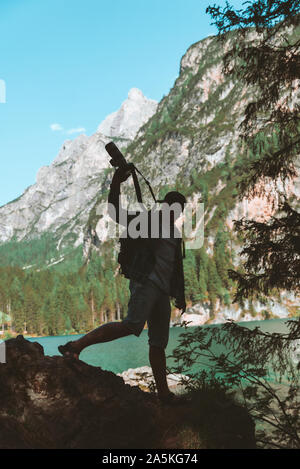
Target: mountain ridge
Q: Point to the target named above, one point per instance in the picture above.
(69, 184)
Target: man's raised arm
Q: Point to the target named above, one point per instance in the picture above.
(115, 210)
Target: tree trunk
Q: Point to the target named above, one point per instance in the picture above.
(93, 310)
(118, 312)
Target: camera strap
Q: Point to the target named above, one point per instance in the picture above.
(137, 185)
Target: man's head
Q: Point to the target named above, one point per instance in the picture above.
(173, 203)
(175, 197)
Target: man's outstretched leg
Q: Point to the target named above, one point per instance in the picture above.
(105, 333)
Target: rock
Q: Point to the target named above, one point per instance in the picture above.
(134, 112)
(143, 377)
(197, 315)
(54, 402)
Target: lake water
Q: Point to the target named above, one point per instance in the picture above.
(131, 351)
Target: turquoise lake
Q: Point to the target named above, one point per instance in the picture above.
(131, 351)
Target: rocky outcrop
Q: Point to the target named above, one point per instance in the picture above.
(200, 313)
(56, 402)
(53, 402)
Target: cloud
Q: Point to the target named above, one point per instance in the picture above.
(59, 128)
(56, 127)
(76, 131)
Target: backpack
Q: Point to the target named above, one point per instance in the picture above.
(127, 249)
(131, 248)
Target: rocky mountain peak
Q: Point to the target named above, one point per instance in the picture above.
(134, 112)
(135, 94)
(64, 191)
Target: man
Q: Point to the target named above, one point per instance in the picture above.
(155, 269)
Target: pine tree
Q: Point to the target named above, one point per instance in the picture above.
(222, 256)
(17, 305)
(49, 316)
(31, 305)
(202, 261)
(214, 284)
(191, 277)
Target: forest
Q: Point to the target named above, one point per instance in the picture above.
(53, 302)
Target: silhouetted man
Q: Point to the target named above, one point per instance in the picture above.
(155, 269)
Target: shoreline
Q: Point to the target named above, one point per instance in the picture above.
(174, 325)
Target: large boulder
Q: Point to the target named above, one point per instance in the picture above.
(56, 402)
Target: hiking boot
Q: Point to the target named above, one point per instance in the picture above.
(68, 351)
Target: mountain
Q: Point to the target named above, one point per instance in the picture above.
(190, 142)
(64, 193)
(125, 122)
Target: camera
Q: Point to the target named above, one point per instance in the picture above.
(117, 158)
(118, 161)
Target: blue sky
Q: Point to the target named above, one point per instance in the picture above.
(72, 63)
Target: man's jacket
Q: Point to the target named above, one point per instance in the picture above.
(136, 256)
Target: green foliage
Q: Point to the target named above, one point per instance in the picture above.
(40, 253)
(259, 368)
(276, 255)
